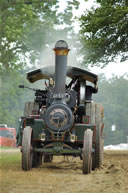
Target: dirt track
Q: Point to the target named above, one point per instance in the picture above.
(66, 177)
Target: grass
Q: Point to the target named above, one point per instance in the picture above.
(63, 177)
(2, 148)
(9, 160)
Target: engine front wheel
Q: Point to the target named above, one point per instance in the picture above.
(87, 151)
(27, 152)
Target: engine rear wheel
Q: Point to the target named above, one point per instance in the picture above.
(37, 159)
(27, 152)
(87, 151)
(30, 107)
(47, 158)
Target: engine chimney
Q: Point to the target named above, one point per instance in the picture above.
(61, 52)
(58, 116)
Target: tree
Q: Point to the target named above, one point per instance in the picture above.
(27, 26)
(11, 97)
(113, 94)
(104, 32)
(20, 24)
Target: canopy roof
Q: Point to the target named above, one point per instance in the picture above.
(72, 72)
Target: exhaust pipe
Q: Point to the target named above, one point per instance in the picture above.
(61, 52)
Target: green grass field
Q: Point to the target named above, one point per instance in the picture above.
(9, 160)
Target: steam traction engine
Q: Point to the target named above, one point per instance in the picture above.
(63, 119)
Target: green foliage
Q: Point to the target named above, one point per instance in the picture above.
(26, 28)
(20, 25)
(113, 94)
(104, 32)
(11, 97)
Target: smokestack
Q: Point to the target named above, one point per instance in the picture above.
(61, 52)
(58, 116)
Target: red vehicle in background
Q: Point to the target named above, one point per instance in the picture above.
(7, 136)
